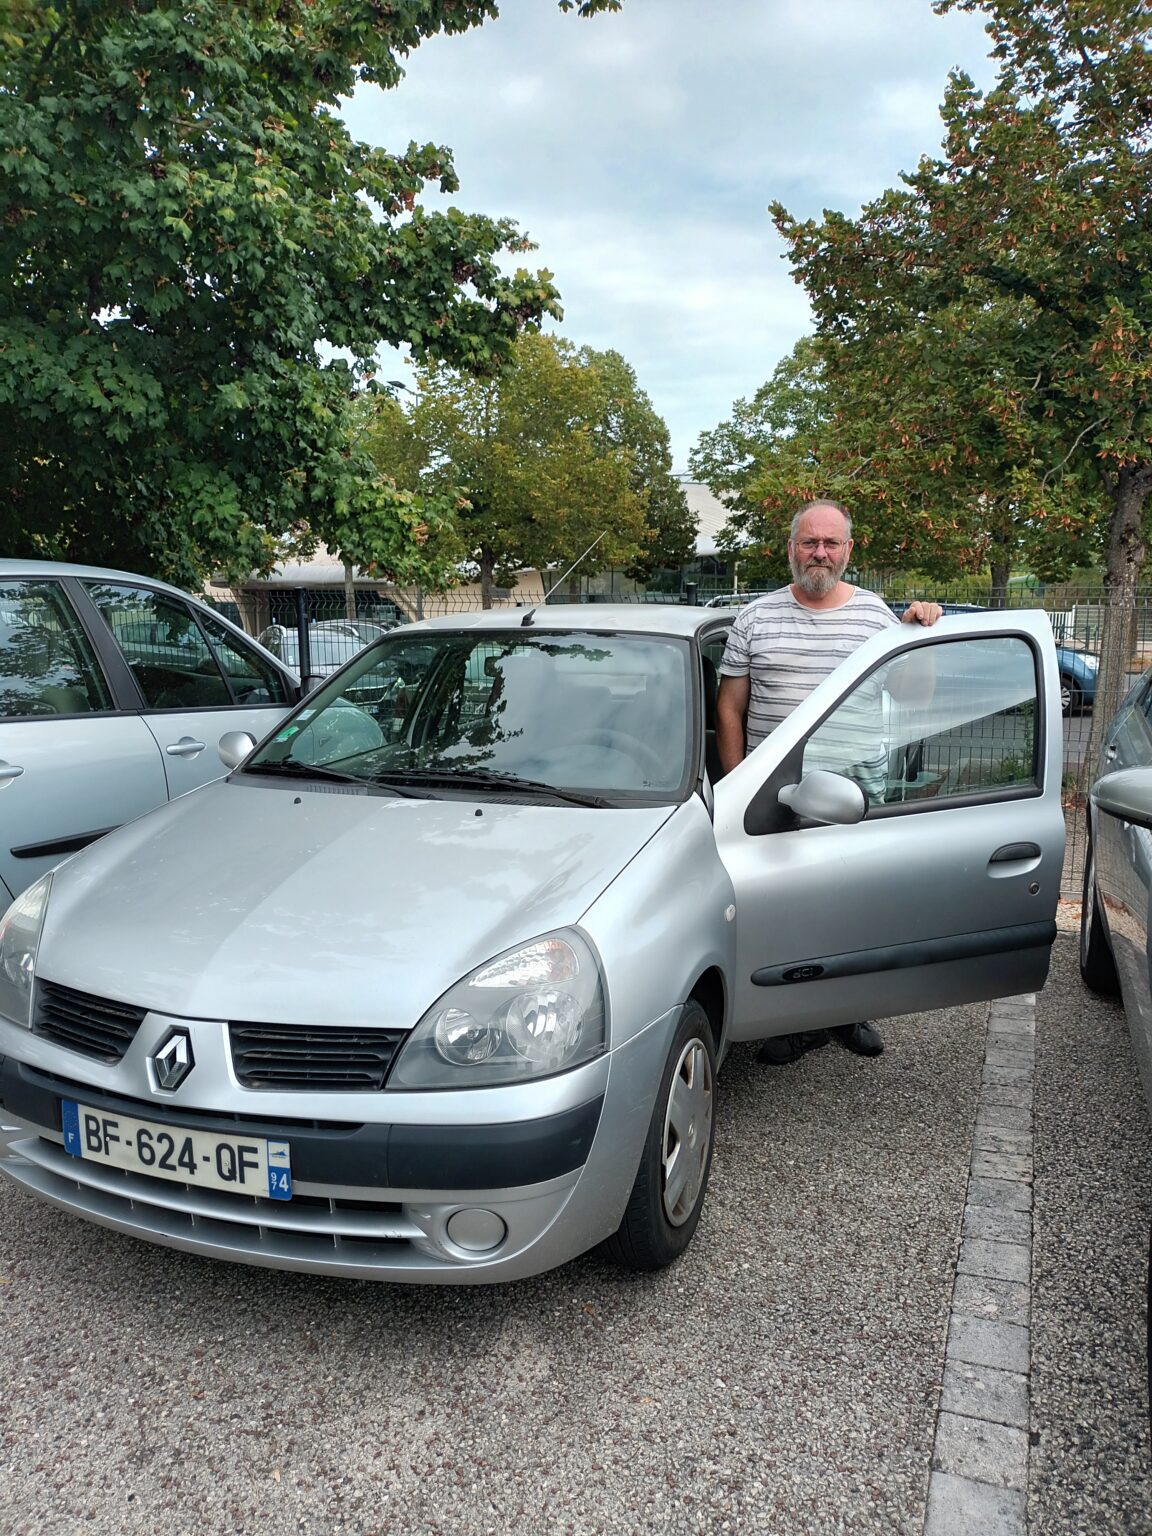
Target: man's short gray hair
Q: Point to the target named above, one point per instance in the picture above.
(822, 501)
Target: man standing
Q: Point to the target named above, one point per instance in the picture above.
(779, 649)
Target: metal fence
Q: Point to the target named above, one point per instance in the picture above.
(329, 624)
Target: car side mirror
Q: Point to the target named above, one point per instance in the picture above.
(825, 796)
(234, 747)
(1126, 793)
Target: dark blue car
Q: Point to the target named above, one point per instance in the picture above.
(1077, 667)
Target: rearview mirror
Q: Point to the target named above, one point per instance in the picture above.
(1127, 793)
(825, 796)
(234, 746)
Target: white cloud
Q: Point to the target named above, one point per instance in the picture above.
(641, 150)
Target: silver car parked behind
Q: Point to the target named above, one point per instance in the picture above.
(114, 693)
(435, 988)
(1114, 914)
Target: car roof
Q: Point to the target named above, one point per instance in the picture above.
(10, 567)
(633, 618)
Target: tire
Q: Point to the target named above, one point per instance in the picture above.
(1097, 966)
(1069, 697)
(662, 1211)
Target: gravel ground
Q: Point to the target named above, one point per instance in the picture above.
(782, 1379)
(1090, 1458)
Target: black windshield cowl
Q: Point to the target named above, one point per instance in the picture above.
(487, 778)
(289, 768)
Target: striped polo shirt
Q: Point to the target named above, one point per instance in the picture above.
(785, 649)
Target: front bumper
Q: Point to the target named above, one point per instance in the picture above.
(406, 1200)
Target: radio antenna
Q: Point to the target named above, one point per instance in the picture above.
(527, 619)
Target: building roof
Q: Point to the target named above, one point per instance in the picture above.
(710, 512)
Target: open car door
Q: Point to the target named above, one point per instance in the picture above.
(897, 843)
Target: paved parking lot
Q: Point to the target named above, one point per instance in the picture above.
(785, 1377)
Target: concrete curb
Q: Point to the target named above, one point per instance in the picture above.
(978, 1485)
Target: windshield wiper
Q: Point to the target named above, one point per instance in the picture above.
(485, 778)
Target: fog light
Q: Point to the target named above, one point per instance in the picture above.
(475, 1230)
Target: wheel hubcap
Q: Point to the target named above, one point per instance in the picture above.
(687, 1132)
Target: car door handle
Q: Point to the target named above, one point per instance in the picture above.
(1011, 853)
(185, 747)
(8, 772)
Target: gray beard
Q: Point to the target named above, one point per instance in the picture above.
(816, 580)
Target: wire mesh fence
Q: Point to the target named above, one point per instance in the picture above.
(326, 624)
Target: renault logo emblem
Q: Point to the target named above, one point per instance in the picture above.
(173, 1061)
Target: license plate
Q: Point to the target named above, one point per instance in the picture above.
(245, 1165)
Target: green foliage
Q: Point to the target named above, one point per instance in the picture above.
(629, 425)
(995, 310)
(199, 264)
(560, 450)
(767, 460)
(1025, 250)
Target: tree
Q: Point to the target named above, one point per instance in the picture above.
(1039, 214)
(768, 459)
(199, 264)
(538, 457)
(629, 423)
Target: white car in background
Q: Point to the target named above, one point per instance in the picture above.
(331, 642)
(115, 691)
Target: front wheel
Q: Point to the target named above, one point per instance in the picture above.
(664, 1207)
(1097, 965)
(1069, 697)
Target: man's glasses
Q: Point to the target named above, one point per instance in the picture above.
(810, 546)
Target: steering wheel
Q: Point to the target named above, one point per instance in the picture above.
(637, 752)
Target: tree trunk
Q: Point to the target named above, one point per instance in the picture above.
(1000, 567)
(349, 591)
(487, 578)
(1122, 574)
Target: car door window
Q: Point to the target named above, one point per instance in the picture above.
(254, 680)
(47, 665)
(950, 719)
(170, 658)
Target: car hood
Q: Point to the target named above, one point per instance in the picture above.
(304, 906)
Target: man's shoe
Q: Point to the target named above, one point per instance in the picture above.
(785, 1049)
(862, 1039)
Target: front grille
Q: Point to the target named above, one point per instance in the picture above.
(94, 1026)
(288, 1056)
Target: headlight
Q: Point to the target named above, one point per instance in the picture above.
(529, 1013)
(19, 940)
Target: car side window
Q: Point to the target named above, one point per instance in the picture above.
(254, 680)
(949, 719)
(47, 664)
(170, 658)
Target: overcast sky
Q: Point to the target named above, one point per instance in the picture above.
(641, 150)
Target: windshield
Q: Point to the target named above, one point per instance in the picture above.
(600, 714)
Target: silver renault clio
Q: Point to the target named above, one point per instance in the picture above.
(433, 986)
